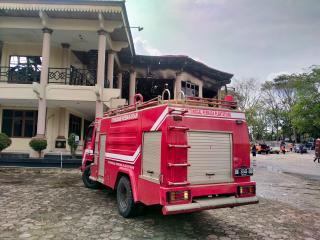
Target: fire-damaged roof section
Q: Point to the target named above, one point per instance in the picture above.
(181, 63)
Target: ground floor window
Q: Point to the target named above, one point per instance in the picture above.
(190, 89)
(19, 123)
(75, 125)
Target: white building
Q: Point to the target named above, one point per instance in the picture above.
(64, 63)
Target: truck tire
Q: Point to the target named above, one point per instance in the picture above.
(87, 181)
(126, 206)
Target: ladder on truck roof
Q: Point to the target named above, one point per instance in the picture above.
(138, 104)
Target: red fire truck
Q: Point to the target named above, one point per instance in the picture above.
(186, 155)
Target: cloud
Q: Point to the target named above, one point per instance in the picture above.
(273, 75)
(219, 2)
(249, 38)
(143, 47)
(198, 59)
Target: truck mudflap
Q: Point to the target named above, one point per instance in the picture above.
(208, 203)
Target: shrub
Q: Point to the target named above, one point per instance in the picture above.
(5, 141)
(73, 144)
(38, 144)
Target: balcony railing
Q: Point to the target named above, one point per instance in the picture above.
(72, 76)
(20, 74)
(65, 76)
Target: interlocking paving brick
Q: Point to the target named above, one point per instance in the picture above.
(54, 204)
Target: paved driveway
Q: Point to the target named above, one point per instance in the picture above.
(292, 163)
(53, 204)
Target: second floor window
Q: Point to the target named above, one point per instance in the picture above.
(24, 69)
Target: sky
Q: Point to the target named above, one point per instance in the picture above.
(248, 38)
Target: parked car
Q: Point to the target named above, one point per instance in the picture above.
(274, 150)
(310, 145)
(263, 148)
(300, 148)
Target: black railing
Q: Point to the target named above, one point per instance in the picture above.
(20, 74)
(72, 76)
(66, 76)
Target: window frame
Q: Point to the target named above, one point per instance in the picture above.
(23, 120)
(192, 86)
(80, 125)
(27, 63)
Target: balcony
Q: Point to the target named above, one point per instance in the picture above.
(72, 76)
(19, 74)
(62, 76)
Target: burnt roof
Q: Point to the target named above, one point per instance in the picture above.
(181, 63)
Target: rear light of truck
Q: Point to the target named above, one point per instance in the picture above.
(178, 196)
(247, 190)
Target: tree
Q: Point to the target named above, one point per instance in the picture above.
(306, 111)
(38, 145)
(273, 109)
(5, 141)
(73, 144)
(285, 87)
(247, 94)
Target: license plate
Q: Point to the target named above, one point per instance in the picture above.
(241, 172)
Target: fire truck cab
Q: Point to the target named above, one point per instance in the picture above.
(186, 155)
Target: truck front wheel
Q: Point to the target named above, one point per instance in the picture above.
(125, 202)
(86, 180)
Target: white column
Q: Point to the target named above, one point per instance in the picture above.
(62, 120)
(65, 55)
(110, 68)
(101, 68)
(120, 83)
(177, 86)
(4, 57)
(200, 89)
(1, 54)
(132, 86)
(42, 107)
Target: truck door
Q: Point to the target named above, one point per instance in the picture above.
(102, 151)
(151, 155)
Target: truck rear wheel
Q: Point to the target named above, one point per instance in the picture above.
(87, 181)
(126, 206)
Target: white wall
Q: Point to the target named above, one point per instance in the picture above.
(52, 128)
(31, 49)
(18, 144)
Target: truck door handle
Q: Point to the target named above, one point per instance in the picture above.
(149, 171)
(210, 174)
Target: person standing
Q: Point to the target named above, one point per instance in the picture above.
(290, 146)
(254, 150)
(301, 148)
(283, 148)
(317, 150)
